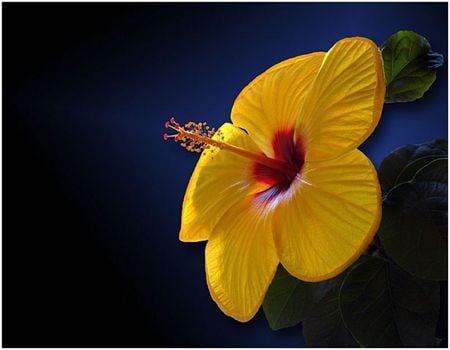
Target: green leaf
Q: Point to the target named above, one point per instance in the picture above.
(409, 66)
(383, 306)
(409, 171)
(325, 327)
(413, 229)
(442, 325)
(435, 171)
(289, 301)
(391, 169)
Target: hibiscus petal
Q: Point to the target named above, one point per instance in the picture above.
(329, 218)
(344, 104)
(241, 259)
(272, 101)
(219, 180)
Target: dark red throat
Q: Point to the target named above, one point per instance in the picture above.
(285, 149)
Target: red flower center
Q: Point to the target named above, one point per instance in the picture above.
(288, 151)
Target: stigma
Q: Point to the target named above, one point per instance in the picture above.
(197, 137)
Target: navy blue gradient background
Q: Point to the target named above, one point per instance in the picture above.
(91, 193)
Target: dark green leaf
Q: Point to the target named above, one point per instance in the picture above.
(325, 327)
(289, 300)
(434, 171)
(399, 50)
(409, 171)
(413, 229)
(394, 164)
(409, 66)
(383, 306)
(442, 325)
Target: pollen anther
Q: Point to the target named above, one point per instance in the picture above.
(195, 137)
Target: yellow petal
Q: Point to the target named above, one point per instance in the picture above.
(271, 102)
(219, 180)
(330, 218)
(241, 260)
(344, 104)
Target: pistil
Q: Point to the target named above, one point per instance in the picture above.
(195, 137)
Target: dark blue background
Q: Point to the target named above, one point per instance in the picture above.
(92, 194)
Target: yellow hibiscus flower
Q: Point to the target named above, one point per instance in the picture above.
(285, 183)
